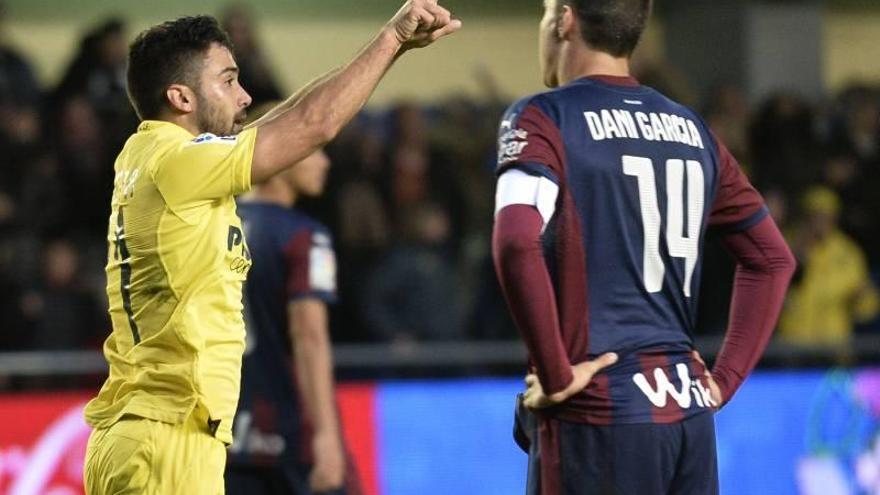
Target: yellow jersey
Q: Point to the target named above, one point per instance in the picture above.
(177, 259)
(834, 293)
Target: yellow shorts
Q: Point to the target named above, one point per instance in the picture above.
(142, 456)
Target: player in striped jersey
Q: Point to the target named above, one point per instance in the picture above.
(606, 190)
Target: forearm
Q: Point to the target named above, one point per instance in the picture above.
(525, 281)
(309, 119)
(764, 268)
(314, 366)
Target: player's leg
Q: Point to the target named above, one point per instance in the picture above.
(188, 459)
(618, 459)
(119, 459)
(137, 455)
(697, 471)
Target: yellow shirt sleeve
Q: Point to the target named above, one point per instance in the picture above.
(205, 169)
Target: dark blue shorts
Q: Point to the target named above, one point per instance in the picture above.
(640, 459)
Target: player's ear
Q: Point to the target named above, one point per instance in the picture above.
(181, 98)
(566, 24)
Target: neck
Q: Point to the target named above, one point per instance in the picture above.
(578, 61)
(182, 120)
(274, 191)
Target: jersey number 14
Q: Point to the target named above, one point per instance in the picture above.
(678, 244)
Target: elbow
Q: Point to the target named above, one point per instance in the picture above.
(326, 132)
(513, 247)
(512, 251)
(323, 126)
(517, 233)
(788, 264)
(782, 263)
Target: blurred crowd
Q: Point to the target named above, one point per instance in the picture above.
(410, 202)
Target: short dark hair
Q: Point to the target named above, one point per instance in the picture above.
(612, 26)
(169, 53)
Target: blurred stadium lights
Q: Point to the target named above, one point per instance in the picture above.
(440, 357)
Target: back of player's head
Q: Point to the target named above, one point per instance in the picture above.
(166, 54)
(611, 26)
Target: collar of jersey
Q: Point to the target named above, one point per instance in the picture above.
(163, 126)
(620, 81)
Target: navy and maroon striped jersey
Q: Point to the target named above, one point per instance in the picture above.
(293, 258)
(641, 178)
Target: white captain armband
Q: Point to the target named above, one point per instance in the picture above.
(516, 187)
(322, 264)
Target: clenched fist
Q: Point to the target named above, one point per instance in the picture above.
(421, 22)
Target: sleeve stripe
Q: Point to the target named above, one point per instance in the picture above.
(746, 224)
(321, 295)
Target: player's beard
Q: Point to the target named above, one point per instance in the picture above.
(211, 118)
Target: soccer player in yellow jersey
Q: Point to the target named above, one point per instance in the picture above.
(177, 253)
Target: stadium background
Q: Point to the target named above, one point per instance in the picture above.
(428, 410)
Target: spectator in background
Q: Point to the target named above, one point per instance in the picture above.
(18, 84)
(45, 204)
(255, 73)
(356, 208)
(832, 290)
(420, 171)
(728, 114)
(412, 294)
(410, 184)
(784, 147)
(85, 170)
(97, 73)
(20, 97)
(363, 224)
(91, 118)
(859, 131)
(856, 185)
(468, 132)
(61, 313)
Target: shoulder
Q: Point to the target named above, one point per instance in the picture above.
(534, 114)
(206, 147)
(845, 244)
(541, 102)
(320, 234)
(302, 229)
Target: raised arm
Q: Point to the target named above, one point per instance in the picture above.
(311, 118)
